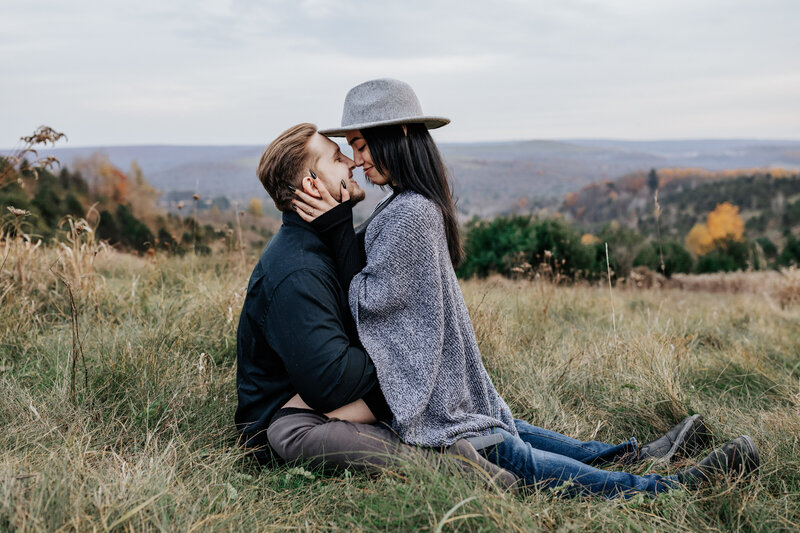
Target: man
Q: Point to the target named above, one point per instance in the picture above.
(298, 351)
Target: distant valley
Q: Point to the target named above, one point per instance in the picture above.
(489, 178)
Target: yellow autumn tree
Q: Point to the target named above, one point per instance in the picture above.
(255, 208)
(699, 240)
(722, 224)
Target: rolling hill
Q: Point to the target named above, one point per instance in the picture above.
(489, 178)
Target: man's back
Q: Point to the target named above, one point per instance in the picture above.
(296, 334)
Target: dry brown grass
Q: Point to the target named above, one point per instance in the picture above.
(781, 287)
(150, 445)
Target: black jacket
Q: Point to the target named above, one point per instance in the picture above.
(296, 335)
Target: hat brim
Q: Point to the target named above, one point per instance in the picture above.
(430, 122)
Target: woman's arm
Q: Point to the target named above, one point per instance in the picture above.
(356, 411)
(335, 228)
(333, 220)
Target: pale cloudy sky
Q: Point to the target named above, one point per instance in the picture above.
(241, 71)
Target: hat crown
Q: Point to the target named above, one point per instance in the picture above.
(380, 100)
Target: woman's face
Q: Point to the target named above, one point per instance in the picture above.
(363, 158)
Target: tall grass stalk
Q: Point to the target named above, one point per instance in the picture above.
(611, 296)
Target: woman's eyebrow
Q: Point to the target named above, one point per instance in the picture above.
(354, 139)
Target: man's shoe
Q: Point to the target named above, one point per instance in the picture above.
(738, 457)
(688, 437)
(471, 461)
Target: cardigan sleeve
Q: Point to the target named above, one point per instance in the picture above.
(397, 304)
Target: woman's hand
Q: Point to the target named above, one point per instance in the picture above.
(310, 207)
(354, 412)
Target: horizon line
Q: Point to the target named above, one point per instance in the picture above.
(503, 141)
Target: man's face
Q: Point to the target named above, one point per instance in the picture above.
(332, 166)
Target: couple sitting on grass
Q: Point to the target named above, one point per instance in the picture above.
(355, 347)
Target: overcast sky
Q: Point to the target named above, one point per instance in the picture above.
(242, 71)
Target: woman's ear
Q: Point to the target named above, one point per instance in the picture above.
(405, 130)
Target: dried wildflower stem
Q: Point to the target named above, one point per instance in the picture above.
(43, 135)
(196, 199)
(8, 251)
(657, 212)
(77, 345)
(239, 233)
(611, 295)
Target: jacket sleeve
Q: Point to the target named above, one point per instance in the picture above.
(303, 325)
(335, 227)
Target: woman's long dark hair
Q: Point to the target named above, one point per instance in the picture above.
(412, 162)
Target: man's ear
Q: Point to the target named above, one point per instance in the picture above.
(309, 186)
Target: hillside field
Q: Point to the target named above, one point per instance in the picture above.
(148, 443)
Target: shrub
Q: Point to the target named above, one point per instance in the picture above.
(728, 255)
(676, 258)
(768, 247)
(505, 243)
(487, 244)
(133, 232)
(791, 252)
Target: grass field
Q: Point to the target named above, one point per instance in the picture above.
(149, 442)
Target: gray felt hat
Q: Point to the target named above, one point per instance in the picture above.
(382, 102)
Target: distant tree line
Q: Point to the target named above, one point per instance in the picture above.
(121, 207)
(552, 246)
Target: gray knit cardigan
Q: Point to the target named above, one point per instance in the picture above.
(414, 324)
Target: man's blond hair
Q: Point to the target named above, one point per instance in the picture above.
(282, 163)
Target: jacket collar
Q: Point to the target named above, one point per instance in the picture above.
(290, 218)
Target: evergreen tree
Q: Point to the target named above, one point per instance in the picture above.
(676, 258)
(791, 252)
(652, 180)
(133, 232)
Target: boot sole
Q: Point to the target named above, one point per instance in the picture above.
(751, 460)
(695, 425)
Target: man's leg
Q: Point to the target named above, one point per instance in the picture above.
(589, 452)
(337, 444)
(539, 468)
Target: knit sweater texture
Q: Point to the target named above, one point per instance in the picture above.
(414, 324)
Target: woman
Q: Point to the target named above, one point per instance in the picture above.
(411, 315)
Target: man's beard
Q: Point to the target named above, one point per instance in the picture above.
(357, 195)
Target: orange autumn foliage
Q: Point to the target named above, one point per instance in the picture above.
(723, 223)
(588, 239)
(699, 240)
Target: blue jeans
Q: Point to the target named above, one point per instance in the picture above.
(548, 459)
